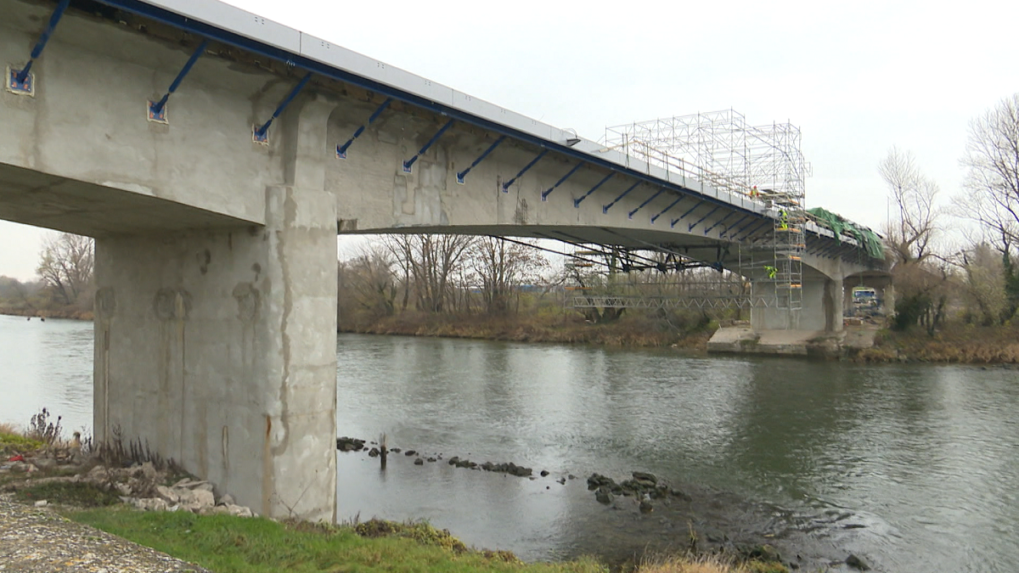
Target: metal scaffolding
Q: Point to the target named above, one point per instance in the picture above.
(762, 162)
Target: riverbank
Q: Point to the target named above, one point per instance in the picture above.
(954, 344)
(629, 331)
(53, 495)
(68, 313)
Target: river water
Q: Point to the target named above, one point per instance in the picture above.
(914, 468)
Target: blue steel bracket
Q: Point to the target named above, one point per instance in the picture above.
(753, 230)
(701, 220)
(20, 87)
(21, 81)
(667, 209)
(646, 201)
(605, 208)
(460, 176)
(718, 222)
(261, 134)
(683, 216)
(341, 150)
(545, 194)
(506, 185)
(157, 109)
(579, 200)
(727, 227)
(409, 164)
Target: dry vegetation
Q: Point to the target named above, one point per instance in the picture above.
(637, 331)
(960, 343)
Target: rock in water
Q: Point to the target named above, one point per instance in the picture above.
(854, 561)
(603, 495)
(645, 479)
(646, 507)
(419, 462)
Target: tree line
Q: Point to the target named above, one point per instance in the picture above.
(936, 275)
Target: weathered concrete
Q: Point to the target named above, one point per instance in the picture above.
(218, 348)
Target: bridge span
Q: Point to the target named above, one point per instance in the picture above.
(214, 155)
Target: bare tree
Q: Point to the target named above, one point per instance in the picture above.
(920, 276)
(911, 235)
(983, 284)
(368, 280)
(66, 264)
(500, 266)
(992, 186)
(429, 263)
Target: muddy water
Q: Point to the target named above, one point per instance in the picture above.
(914, 468)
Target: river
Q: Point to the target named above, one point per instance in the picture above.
(913, 467)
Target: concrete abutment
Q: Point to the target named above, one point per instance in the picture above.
(218, 348)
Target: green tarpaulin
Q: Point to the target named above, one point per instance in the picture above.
(865, 237)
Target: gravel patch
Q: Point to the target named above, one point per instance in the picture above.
(37, 540)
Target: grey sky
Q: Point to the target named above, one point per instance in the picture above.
(856, 78)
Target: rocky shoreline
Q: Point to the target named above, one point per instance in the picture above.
(141, 485)
(703, 520)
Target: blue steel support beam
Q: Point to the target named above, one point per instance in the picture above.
(740, 230)
(683, 216)
(579, 200)
(156, 110)
(830, 250)
(325, 70)
(646, 201)
(738, 221)
(754, 229)
(407, 165)
(665, 210)
(260, 134)
(460, 176)
(544, 194)
(605, 208)
(341, 150)
(701, 220)
(718, 222)
(506, 185)
(20, 81)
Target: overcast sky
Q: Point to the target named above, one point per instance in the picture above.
(856, 77)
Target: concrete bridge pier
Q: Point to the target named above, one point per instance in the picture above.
(821, 307)
(217, 347)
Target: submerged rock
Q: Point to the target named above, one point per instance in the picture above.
(345, 444)
(603, 495)
(645, 479)
(856, 562)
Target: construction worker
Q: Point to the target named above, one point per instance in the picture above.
(772, 271)
(754, 193)
(785, 220)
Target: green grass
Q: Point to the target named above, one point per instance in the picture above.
(226, 544)
(12, 443)
(68, 493)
